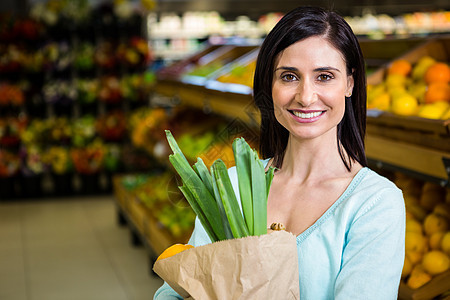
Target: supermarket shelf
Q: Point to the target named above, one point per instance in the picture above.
(227, 104)
(144, 226)
(420, 159)
(409, 144)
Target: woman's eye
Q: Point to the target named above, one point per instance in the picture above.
(288, 77)
(325, 77)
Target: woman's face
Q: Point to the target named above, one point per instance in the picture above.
(309, 87)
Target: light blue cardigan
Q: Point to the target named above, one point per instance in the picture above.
(355, 250)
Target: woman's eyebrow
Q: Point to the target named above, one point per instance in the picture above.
(293, 69)
(320, 69)
(326, 69)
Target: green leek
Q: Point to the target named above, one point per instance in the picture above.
(211, 195)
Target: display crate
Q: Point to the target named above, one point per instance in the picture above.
(411, 143)
(378, 53)
(174, 71)
(213, 63)
(142, 221)
(240, 83)
(192, 90)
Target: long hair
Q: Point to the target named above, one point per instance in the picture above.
(299, 24)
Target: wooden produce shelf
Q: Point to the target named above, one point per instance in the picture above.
(191, 90)
(211, 101)
(141, 220)
(411, 157)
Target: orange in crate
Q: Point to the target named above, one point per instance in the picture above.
(438, 72)
(437, 91)
(401, 67)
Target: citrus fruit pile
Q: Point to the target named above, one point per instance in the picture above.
(421, 89)
(427, 242)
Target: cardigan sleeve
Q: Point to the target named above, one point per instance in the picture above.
(372, 259)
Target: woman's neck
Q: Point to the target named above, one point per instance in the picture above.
(312, 160)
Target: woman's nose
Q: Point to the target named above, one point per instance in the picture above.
(306, 93)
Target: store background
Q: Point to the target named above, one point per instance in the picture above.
(87, 197)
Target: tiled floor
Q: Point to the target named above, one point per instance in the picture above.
(63, 249)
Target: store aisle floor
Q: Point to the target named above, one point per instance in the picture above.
(64, 249)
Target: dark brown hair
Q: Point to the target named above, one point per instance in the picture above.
(299, 24)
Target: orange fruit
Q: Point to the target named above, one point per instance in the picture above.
(435, 240)
(404, 105)
(174, 249)
(395, 81)
(414, 241)
(414, 257)
(410, 199)
(434, 110)
(446, 115)
(407, 267)
(445, 243)
(442, 209)
(438, 72)
(434, 223)
(421, 67)
(400, 66)
(381, 102)
(435, 262)
(418, 212)
(437, 91)
(418, 279)
(413, 225)
(430, 198)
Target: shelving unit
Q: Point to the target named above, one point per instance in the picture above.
(69, 73)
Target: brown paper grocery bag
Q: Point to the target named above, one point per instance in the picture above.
(264, 267)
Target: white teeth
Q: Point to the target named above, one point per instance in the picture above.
(307, 115)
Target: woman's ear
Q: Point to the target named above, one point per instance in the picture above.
(350, 84)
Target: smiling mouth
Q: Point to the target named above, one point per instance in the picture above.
(306, 115)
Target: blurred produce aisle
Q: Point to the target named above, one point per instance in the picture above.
(86, 93)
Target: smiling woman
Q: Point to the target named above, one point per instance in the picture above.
(310, 88)
(349, 221)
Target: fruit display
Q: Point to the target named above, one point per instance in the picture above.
(9, 163)
(427, 244)
(89, 159)
(11, 130)
(57, 160)
(162, 199)
(413, 89)
(83, 131)
(146, 126)
(11, 95)
(240, 74)
(112, 162)
(31, 160)
(175, 70)
(112, 126)
(209, 65)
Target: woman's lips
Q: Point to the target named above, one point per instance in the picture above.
(306, 117)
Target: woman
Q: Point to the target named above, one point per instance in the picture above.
(310, 87)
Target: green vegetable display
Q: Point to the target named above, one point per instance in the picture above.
(211, 195)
